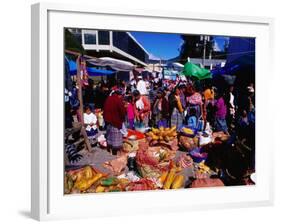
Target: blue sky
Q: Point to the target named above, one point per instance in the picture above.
(162, 45)
(166, 45)
(220, 41)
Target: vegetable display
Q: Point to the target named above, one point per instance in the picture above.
(81, 179)
(162, 134)
(162, 159)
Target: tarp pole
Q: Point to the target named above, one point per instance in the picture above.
(81, 107)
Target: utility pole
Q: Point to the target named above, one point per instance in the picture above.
(204, 50)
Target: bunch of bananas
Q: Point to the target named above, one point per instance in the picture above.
(163, 134)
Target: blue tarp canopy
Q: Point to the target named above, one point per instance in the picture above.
(240, 57)
(91, 71)
(229, 70)
(240, 62)
(98, 72)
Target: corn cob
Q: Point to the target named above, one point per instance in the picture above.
(178, 182)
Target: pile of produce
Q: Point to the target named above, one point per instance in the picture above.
(116, 166)
(130, 146)
(151, 161)
(141, 185)
(220, 136)
(162, 134)
(185, 161)
(80, 180)
(111, 184)
(114, 184)
(202, 170)
(188, 143)
(171, 180)
(148, 161)
(207, 182)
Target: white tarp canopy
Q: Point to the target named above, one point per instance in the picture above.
(177, 64)
(116, 64)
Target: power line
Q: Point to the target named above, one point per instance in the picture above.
(214, 57)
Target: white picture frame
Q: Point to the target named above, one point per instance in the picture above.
(48, 201)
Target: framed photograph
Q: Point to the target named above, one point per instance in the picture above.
(152, 110)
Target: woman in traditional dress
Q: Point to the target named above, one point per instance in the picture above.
(176, 109)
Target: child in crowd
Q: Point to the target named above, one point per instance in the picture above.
(243, 120)
(130, 112)
(90, 121)
(192, 120)
(220, 115)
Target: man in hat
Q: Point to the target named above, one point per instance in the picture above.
(114, 116)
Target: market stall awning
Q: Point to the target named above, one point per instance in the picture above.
(116, 64)
(99, 72)
(170, 72)
(175, 66)
(193, 70)
(72, 66)
(229, 70)
(91, 71)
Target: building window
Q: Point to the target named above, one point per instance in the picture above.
(90, 38)
(103, 37)
(125, 43)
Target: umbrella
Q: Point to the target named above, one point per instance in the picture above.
(195, 71)
(116, 64)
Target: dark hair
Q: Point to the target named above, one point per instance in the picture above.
(128, 90)
(220, 94)
(175, 88)
(129, 98)
(192, 111)
(136, 93)
(118, 92)
(86, 107)
(182, 86)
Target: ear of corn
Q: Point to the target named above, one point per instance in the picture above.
(100, 189)
(170, 179)
(163, 177)
(173, 128)
(85, 184)
(178, 182)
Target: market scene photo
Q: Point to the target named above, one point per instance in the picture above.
(157, 111)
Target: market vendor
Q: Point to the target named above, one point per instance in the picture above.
(220, 115)
(160, 109)
(176, 109)
(142, 108)
(209, 103)
(194, 100)
(114, 116)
